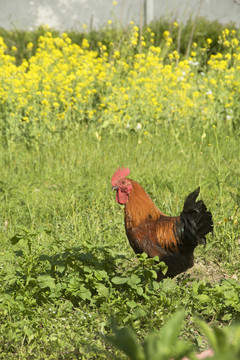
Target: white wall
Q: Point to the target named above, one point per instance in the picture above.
(72, 14)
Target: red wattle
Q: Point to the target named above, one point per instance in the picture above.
(121, 197)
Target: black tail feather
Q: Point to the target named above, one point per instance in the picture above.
(197, 221)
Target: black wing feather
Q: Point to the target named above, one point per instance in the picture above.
(197, 221)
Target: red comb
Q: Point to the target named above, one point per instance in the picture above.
(119, 174)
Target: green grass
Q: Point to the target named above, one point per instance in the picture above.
(71, 286)
(66, 265)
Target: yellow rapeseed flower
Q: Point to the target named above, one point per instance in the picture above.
(226, 43)
(169, 41)
(226, 32)
(85, 44)
(166, 34)
(30, 46)
(60, 80)
(116, 54)
(234, 42)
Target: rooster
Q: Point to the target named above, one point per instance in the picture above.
(171, 238)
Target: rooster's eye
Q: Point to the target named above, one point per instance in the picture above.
(123, 182)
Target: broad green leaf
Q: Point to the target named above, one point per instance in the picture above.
(165, 344)
(143, 256)
(167, 285)
(164, 267)
(156, 285)
(16, 238)
(119, 280)
(102, 290)
(135, 279)
(100, 274)
(87, 269)
(138, 313)
(74, 282)
(46, 281)
(105, 124)
(125, 340)
(236, 337)
(132, 304)
(195, 287)
(227, 317)
(202, 298)
(208, 331)
(139, 290)
(84, 293)
(60, 268)
(169, 333)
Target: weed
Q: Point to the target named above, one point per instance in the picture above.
(70, 116)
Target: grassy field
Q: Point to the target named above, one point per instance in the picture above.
(69, 117)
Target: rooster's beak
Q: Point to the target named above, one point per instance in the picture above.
(114, 188)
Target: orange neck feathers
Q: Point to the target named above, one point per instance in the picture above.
(139, 206)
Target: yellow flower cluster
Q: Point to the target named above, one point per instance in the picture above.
(134, 35)
(167, 37)
(64, 85)
(224, 61)
(59, 83)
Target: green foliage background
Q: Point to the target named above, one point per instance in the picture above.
(66, 267)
